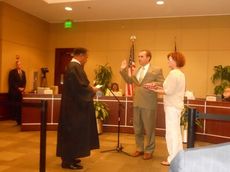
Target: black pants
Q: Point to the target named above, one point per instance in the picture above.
(16, 111)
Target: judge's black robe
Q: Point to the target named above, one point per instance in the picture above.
(77, 130)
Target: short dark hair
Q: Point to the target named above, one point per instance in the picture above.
(114, 83)
(148, 54)
(79, 51)
(178, 58)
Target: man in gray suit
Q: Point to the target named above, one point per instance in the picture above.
(144, 103)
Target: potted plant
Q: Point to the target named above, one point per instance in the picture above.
(221, 78)
(102, 113)
(103, 76)
(184, 123)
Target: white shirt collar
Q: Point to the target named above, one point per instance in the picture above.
(146, 67)
(75, 60)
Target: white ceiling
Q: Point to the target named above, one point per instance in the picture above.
(94, 10)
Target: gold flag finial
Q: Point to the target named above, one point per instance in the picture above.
(133, 38)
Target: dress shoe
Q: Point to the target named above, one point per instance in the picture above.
(72, 166)
(137, 153)
(165, 163)
(77, 161)
(147, 156)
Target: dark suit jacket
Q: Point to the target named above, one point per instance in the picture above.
(15, 81)
(143, 97)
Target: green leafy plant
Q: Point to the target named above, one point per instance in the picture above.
(221, 77)
(103, 76)
(184, 119)
(101, 110)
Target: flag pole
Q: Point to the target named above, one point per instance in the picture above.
(175, 48)
(132, 38)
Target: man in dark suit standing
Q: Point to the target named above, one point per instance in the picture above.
(17, 84)
(77, 131)
(144, 102)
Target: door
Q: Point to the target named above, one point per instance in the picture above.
(62, 59)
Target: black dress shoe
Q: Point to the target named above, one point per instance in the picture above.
(73, 166)
(77, 161)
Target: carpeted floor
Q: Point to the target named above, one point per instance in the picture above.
(19, 152)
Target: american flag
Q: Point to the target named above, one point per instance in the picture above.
(129, 87)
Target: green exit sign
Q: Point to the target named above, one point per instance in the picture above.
(68, 24)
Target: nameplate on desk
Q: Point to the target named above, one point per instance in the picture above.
(44, 90)
(211, 98)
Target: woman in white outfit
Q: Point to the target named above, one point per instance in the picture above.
(173, 90)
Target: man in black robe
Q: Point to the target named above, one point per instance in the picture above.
(77, 131)
(17, 84)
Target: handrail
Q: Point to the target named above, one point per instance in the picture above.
(192, 115)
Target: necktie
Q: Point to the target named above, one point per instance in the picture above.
(142, 74)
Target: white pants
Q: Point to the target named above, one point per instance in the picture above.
(173, 131)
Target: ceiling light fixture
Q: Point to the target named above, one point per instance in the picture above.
(68, 9)
(62, 1)
(160, 2)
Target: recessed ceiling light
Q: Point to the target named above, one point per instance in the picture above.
(62, 1)
(160, 2)
(68, 9)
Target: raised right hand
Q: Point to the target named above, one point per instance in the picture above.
(123, 64)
